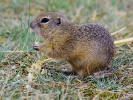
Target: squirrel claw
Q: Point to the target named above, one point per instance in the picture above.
(35, 47)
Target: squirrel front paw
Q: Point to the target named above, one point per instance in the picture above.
(36, 46)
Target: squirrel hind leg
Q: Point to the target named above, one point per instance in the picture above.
(89, 69)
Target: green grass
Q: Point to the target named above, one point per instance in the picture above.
(17, 55)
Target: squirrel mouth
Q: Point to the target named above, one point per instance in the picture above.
(43, 35)
(35, 31)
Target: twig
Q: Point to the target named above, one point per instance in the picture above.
(123, 41)
(122, 29)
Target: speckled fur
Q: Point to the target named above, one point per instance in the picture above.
(88, 48)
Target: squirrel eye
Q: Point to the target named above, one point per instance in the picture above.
(44, 20)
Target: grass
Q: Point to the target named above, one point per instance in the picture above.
(17, 55)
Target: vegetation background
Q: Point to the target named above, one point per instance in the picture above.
(17, 55)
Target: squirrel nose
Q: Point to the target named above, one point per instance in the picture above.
(31, 25)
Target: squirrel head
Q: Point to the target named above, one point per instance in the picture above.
(49, 23)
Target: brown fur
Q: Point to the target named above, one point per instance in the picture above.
(88, 48)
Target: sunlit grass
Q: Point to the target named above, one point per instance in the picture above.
(17, 55)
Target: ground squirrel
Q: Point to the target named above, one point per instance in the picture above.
(88, 48)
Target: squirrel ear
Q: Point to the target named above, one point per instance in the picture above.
(58, 21)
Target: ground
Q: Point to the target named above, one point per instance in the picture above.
(17, 79)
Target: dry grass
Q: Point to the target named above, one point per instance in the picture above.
(17, 55)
